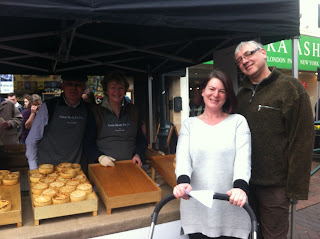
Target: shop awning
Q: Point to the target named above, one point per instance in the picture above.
(141, 37)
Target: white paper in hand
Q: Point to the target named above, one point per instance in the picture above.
(203, 196)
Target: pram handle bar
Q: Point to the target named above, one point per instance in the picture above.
(219, 196)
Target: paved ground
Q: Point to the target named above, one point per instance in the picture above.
(308, 211)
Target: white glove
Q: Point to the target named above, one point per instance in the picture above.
(106, 161)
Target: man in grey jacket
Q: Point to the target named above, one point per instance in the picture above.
(279, 113)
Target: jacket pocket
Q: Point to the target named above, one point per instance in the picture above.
(267, 107)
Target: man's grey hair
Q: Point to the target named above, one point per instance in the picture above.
(244, 43)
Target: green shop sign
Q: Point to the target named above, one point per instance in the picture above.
(280, 53)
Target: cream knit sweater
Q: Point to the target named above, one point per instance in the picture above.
(214, 157)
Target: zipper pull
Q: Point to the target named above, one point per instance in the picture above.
(253, 93)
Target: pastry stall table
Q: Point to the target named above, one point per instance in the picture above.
(86, 226)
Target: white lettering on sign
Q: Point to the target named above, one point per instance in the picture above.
(276, 59)
(283, 47)
(315, 48)
(304, 62)
(306, 47)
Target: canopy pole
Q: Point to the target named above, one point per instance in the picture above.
(295, 73)
(150, 109)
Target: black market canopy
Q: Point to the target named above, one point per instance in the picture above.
(95, 36)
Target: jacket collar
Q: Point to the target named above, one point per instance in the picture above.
(246, 83)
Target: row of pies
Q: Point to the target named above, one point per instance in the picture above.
(8, 178)
(56, 185)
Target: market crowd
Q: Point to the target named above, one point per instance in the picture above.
(255, 146)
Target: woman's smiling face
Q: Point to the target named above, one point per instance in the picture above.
(214, 94)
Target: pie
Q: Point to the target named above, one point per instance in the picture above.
(10, 179)
(3, 173)
(46, 168)
(78, 195)
(38, 188)
(76, 167)
(68, 173)
(47, 180)
(56, 185)
(67, 189)
(86, 187)
(53, 175)
(81, 177)
(62, 166)
(73, 182)
(60, 198)
(5, 206)
(42, 200)
(35, 177)
(49, 191)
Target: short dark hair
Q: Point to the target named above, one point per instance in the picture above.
(231, 100)
(11, 94)
(116, 76)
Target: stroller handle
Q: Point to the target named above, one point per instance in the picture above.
(219, 196)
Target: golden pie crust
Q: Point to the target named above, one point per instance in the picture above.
(63, 166)
(47, 180)
(73, 182)
(49, 191)
(77, 196)
(67, 189)
(3, 173)
(53, 175)
(42, 200)
(68, 173)
(61, 179)
(56, 185)
(46, 168)
(60, 198)
(35, 177)
(81, 177)
(5, 206)
(10, 179)
(38, 188)
(76, 167)
(86, 187)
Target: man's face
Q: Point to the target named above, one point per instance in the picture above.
(251, 64)
(73, 91)
(13, 99)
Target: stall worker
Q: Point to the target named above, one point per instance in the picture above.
(57, 132)
(118, 135)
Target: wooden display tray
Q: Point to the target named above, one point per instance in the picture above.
(164, 166)
(65, 209)
(126, 184)
(13, 195)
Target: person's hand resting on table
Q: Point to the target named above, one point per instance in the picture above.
(106, 161)
(136, 159)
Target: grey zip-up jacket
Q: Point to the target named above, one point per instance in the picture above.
(280, 118)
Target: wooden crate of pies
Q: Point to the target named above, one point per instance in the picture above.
(10, 198)
(60, 191)
(126, 184)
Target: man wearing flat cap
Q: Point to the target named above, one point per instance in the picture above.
(57, 132)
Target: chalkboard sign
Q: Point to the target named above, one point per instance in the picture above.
(166, 137)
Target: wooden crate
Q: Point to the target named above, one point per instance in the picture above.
(126, 184)
(65, 209)
(164, 165)
(12, 194)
